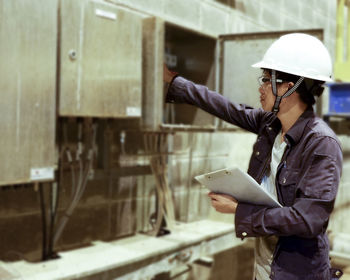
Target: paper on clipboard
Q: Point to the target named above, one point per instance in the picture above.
(239, 184)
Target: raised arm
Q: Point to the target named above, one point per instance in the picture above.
(184, 91)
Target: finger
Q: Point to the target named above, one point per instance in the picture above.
(225, 197)
(214, 203)
(213, 195)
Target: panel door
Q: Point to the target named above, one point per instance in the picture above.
(28, 43)
(100, 60)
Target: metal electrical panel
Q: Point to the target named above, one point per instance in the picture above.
(238, 80)
(28, 40)
(100, 60)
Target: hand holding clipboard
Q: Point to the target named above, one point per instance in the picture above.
(240, 185)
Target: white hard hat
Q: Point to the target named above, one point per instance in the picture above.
(299, 54)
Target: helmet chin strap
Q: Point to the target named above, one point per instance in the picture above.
(278, 99)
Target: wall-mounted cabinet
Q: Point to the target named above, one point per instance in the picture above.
(110, 65)
(100, 60)
(187, 52)
(28, 42)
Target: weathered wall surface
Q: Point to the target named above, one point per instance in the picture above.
(119, 199)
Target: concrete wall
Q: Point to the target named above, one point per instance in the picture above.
(118, 205)
(227, 16)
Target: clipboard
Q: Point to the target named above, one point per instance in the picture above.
(239, 184)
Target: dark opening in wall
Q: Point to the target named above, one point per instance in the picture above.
(192, 55)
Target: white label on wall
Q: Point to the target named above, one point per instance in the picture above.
(44, 173)
(106, 14)
(133, 111)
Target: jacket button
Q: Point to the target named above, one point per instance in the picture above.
(244, 234)
(269, 128)
(284, 180)
(257, 153)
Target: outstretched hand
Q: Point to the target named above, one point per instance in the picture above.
(223, 203)
(168, 75)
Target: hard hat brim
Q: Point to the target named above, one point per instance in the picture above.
(264, 65)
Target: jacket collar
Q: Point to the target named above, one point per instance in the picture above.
(296, 131)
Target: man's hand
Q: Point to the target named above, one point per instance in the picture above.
(223, 203)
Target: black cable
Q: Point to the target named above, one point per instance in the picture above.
(43, 221)
(53, 211)
(51, 215)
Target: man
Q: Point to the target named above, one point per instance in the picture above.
(296, 158)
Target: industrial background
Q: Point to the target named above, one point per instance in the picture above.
(97, 173)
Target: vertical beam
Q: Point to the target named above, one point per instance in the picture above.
(152, 73)
(340, 31)
(348, 33)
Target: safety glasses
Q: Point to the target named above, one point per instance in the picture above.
(263, 80)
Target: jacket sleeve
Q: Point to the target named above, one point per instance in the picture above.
(184, 91)
(313, 204)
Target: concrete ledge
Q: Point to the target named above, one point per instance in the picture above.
(129, 258)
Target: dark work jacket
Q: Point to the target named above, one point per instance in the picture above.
(307, 180)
